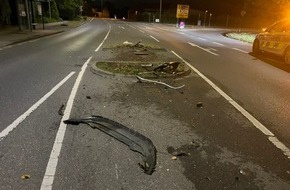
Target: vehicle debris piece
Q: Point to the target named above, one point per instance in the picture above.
(176, 152)
(25, 177)
(168, 67)
(134, 140)
(199, 105)
(61, 110)
(140, 79)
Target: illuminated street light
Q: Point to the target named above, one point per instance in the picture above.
(204, 18)
(209, 19)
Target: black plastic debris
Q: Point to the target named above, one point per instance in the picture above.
(134, 140)
(61, 110)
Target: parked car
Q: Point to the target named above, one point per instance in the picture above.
(275, 40)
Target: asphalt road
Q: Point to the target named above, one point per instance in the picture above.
(29, 71)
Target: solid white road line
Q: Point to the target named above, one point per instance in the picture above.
(239, 50)
(48, 178)
(216, 43)
(271, 137)
(154, 38)
(53, 159)
(98, 48)
(21, 118)
(194, 45)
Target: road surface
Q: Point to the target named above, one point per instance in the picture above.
(247, 101)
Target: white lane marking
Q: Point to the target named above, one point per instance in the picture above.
(194, 45)
(123, 28)
(271, 137)
(142, 31)
(216, 43)
(212, 49)
(91, 19)
(203, 39)
(48, 178)
(21, 118)
(132, 26)
(53, 159)
(104, 39)
(239, 50)
(154, 38)
(116, 170)
(182, 33)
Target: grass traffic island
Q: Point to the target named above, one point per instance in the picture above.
(144, 69)
(242, 36)
(144, 60)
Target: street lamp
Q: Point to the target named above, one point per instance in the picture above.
(204, 18)
(209, 19)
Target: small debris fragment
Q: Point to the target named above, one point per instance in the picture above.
(61, 110)
(208, 178)
(242, 172)
(199, 105)
(174, 158)
(237, 178)
(88, 97)
(126, 43)
(140, 79)
(175, 152)
(25, 177)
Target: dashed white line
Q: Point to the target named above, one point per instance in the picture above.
(194, 45)
(154, 38)
(21, 118)
(216, 43)
(271, 137)
(240, 50)
(142, 31)
(48, 178)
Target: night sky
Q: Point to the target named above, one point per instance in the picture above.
(215, 6)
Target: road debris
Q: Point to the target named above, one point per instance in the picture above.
(176, 152)
(140, 79)
(61, 110)
(134, 140)
(199, 105)
(25, 177)
(167, 67)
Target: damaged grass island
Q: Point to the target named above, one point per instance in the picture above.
(150, 64)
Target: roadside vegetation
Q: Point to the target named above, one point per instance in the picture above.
(246, 37)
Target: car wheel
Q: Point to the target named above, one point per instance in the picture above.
(287, 56)
(256, 47)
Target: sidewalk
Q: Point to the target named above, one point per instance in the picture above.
(12, 35)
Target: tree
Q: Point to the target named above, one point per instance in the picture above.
(68, 9)
(5, 12)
